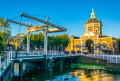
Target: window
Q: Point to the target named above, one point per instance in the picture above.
(96, 31)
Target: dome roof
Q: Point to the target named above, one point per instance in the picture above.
(93, 20)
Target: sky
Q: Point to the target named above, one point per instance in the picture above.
(71, 14)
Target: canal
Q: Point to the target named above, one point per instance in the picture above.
(74, 72)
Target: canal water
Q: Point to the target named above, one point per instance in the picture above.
(69, 73)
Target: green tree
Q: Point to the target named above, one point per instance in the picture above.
(4, 30)
(1, 42)
(35, 39)
(64, 39)
(25, 39)
(53, 41)
(58, 40)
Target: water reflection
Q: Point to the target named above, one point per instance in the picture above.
(66, 74)
(16, 68)
(95, 75)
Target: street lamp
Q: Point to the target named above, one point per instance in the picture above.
(91, 48)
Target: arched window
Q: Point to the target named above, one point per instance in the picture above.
(96, 31)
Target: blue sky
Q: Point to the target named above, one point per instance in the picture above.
(71, 14)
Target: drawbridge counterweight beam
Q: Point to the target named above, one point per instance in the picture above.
(47, 28)
(9, 20)
(50, 24)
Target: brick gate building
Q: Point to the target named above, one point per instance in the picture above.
(93, 40)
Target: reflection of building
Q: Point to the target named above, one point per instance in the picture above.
(17, 41)
(92, 39)
(96, 75)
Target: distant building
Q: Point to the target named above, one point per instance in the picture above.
(93, 40)
(17, 41)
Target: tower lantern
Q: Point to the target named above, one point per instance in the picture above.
(93, 24)
(93, 13)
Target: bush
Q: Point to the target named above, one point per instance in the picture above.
(78, 51)
(66, 52)
(2, 54)
(86, 52)
(73, 52)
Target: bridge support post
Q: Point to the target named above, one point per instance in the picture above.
(51, 64)
(45, 31)
(28, 42)
(45, 62)
(71, 61)
(12, 68)
(51, 75)
(61, 63)
(20, 68)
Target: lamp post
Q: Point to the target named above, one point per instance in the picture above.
(91, 48)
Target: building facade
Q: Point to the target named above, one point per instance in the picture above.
(92, 40)
(17, 41)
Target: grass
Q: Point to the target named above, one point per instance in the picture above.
(113, 69)
(87, 66)
(92, 66)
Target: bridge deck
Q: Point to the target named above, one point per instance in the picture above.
(42, 57)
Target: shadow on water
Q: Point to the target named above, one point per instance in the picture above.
(68, 74)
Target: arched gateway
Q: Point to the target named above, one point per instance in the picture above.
(89, 45)
(93, 34)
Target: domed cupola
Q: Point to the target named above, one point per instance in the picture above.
(93, 20)
(93, 24)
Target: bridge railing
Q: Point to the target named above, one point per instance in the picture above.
(108, 57)
(36, 53)
(113, 58)
(40, 53)
(5, 60)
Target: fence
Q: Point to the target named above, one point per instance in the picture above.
(37, 53)
(5, 60)
(109, 58)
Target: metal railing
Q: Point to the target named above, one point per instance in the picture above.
(108, 57)
(37, 53)
(41, 53)
(5, 60)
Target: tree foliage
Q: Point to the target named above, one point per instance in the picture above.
(53, 41)
(35, 39)
(58, 40)
(4, 32)
(1, 42)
